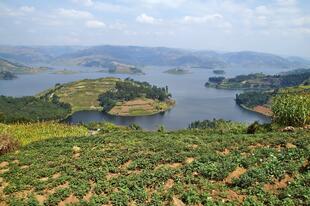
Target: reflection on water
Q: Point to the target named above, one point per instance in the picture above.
(193, 100)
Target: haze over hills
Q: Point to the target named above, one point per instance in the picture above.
(107, 55)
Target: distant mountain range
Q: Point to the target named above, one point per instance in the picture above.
(107, 56)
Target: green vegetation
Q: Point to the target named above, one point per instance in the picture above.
(83, 94)
(292, 109)
(130, 167)
(252, 99)
(216, 80)
(26, 133)
(31, 109)
(260, 81)
(219, 126)
(125, 69)
(219, 71)
(5, 75)
(177, 71)
(128, 90)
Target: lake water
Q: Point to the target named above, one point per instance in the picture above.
(193, 100)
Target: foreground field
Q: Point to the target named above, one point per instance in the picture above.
(124, 167)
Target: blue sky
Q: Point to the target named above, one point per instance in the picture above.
(274, 26)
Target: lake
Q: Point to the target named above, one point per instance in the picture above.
(193, 100)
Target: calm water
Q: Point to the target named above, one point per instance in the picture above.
(194, 101)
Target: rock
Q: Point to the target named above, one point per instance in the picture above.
(307, 127)
(288, 129)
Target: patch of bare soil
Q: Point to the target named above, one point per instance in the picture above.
(4, 164)
(43, 179)
(90, 192)
(263, 110)
(290, 146)
(258, 145)
(224, 152)
(15, 161)
(126, 164)
(189, 160)
(4, 170)
(56, 175)
(24, 167)
(278, 184)
(169, 184)
(41, 198)
(227, 196)
(177, 202)
(111, 175)
(235, 174)
(69, 200)
(194, 146)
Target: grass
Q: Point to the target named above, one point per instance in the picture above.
(123, 167)
(28, 133)
(83, 94)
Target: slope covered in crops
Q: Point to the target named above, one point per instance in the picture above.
(190, 167)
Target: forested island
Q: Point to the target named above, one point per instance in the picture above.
(6, 75)
(177, 71)
(261, 88)
(114, 96)
(218, 71)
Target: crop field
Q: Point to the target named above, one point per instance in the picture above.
(83, 95)
(140, 107)
(124, 167)
(27, 133)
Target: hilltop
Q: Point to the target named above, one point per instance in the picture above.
(112, 95)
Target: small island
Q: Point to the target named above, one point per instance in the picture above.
(219, 71)
(65, 72)
(120, 97)
(177, 71)
(123, 69)
(6, 75)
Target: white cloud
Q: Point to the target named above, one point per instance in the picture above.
(167, 3)
(27, 9)
(72, 13)
(145, 19)
(94, 24)
(202, 19)
(84, 2)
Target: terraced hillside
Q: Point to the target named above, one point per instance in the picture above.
(131, 98)
(83, 94)
(190, 167)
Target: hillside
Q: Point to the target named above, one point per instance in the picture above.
(190, 167)
(7, 66)
(112, 95)
(105, 57)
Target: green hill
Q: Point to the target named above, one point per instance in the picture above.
(191, 167)
(7, 66)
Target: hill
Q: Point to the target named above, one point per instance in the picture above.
(14, 68)
(190, 167)
(112, 95)
(106, 56)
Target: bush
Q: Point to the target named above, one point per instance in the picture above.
(256, 127)
(291, 109)
(7, 144)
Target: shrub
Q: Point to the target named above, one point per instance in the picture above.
(291, 109)
(7, 144)
(256, 127)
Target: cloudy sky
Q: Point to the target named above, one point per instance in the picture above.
(275, 26)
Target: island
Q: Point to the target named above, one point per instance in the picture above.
(6, 75)
(177, 71)
(260, 89)
(65, 72)
(219, 71)
(9, 70)
(122, 69)
(120, 97)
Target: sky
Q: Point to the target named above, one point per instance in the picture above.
(273, 26)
